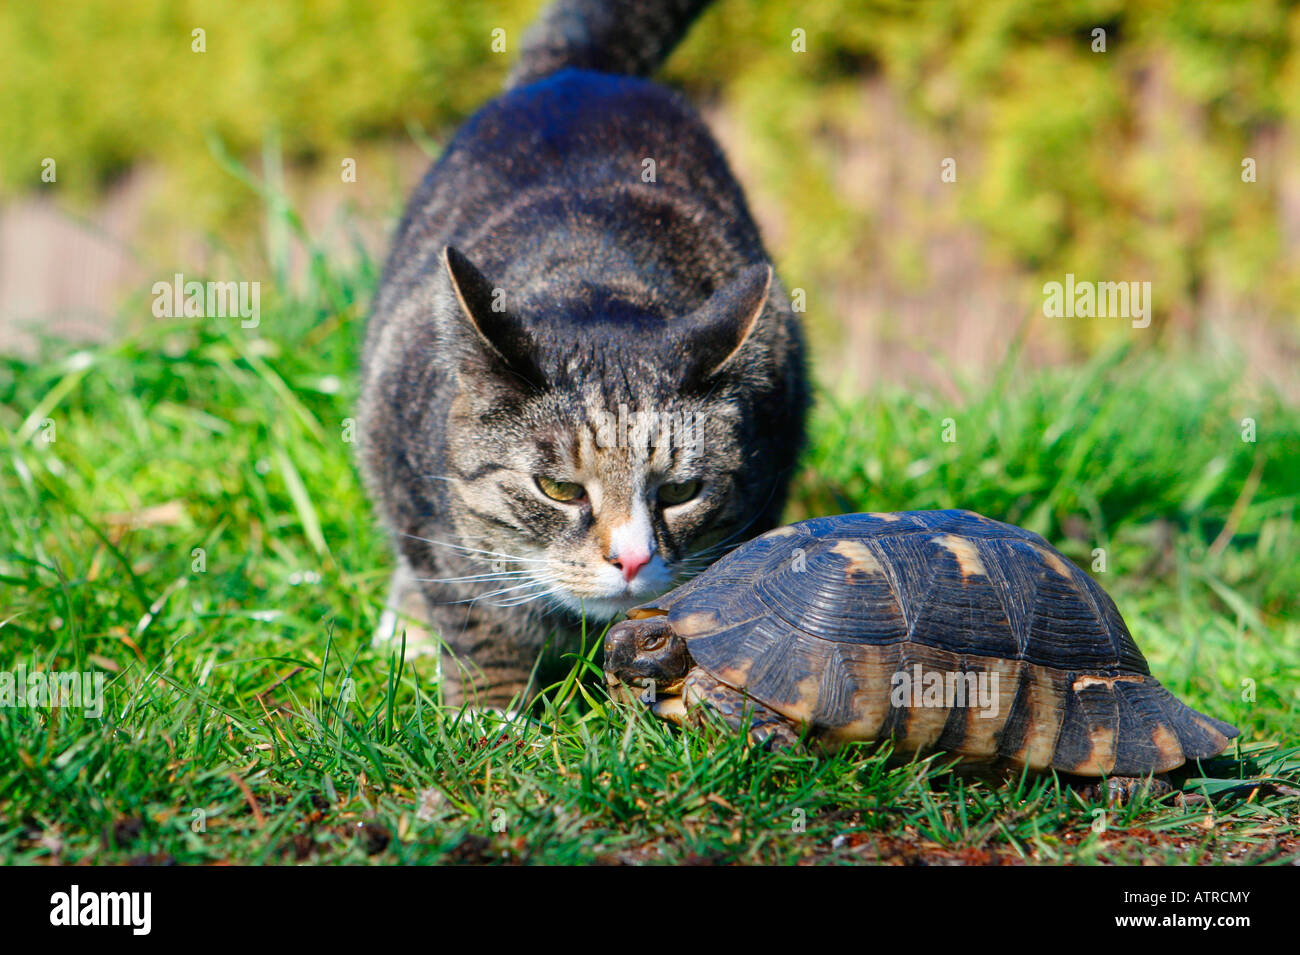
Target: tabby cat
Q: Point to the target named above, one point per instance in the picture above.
(582, 382)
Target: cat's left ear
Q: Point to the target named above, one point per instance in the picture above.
(714, 333)
(502, 338)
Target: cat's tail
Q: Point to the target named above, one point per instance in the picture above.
(610, 36)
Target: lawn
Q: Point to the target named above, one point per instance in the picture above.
(181, 512)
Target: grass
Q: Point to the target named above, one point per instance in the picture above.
(181, 512)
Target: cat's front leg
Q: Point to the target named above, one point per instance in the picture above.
(489, 664)
(481, 661)
(406, 610)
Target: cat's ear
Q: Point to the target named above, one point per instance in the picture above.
(718, 330)
(501, 335)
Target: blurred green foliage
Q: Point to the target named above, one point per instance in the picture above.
(102, 84)
(1122, 164)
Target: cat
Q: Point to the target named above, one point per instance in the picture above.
(581, 380)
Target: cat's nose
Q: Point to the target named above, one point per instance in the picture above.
(631, 543)
(630, 562)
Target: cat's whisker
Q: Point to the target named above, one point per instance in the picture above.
(529, 598)
(497, 555)
(475, 550)
(519, 600)
(468, 578)
(487, 598)
(532, 582)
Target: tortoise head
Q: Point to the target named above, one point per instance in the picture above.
(645, 650)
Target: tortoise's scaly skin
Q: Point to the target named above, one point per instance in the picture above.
(813, 620)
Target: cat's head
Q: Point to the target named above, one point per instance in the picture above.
(596, 463)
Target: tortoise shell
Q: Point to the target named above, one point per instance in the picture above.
(817, 620)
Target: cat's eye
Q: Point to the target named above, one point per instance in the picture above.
(566, 492)
(679, 492)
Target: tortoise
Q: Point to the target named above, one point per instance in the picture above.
(941, 630)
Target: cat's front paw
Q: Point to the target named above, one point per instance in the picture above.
(388, 634)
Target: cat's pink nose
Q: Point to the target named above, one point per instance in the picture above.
(631, 563)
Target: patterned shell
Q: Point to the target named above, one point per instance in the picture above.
(824, 620)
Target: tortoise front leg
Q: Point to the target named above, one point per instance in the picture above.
(764, 726)
(1122, 790)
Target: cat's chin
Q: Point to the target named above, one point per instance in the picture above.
(605, 608)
